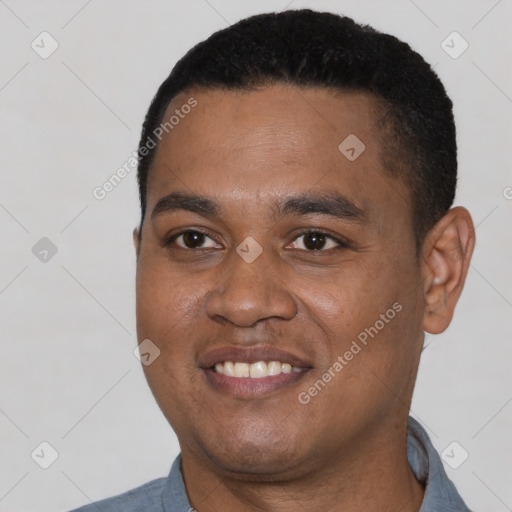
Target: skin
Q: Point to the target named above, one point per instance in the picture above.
(345, 449)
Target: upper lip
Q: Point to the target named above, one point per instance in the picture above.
(251, 355)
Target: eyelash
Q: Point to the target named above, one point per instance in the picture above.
(341, 244)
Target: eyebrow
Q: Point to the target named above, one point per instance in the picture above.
(332, 204)
(181, 201)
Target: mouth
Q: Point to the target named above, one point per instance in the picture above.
(252, 372)
(257, 370)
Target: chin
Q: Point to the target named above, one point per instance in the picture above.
(262, 457)
(259, 467)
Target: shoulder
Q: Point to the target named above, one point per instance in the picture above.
(146, 498)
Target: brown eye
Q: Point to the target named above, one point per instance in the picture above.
(192, 239)
(316, 241)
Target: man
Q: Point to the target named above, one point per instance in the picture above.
(296, 176)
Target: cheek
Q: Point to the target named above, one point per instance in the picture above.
(167, 314)
(166, 304)
(368, 310)
(350, 298)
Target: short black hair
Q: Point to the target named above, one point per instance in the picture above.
(320, 49)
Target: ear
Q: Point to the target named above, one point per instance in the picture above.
(136, 239)
(446, 254)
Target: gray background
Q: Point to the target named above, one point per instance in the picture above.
(68, 375)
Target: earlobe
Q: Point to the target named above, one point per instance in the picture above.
(446, 256)
(136, 239)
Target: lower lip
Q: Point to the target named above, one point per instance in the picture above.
(247, 387)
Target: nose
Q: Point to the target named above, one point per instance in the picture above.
(247, 293)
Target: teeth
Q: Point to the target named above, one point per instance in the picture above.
(255, 370)
(258, 370)
(229, 368)
(241, 370)
(286, 368)
(274, 368)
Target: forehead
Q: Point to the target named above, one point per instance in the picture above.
(277, 116)
(277, 139)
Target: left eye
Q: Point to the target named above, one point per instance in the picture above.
(316, 241)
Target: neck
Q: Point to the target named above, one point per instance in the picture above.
(372, 476)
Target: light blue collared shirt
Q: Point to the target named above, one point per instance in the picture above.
(169, 494)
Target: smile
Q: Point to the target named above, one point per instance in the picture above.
(252, 372)
(257, 370)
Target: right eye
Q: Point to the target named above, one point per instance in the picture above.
(191, 239)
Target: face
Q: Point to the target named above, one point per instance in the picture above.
(277, 275)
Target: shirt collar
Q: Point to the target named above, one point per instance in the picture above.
(440, 493)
